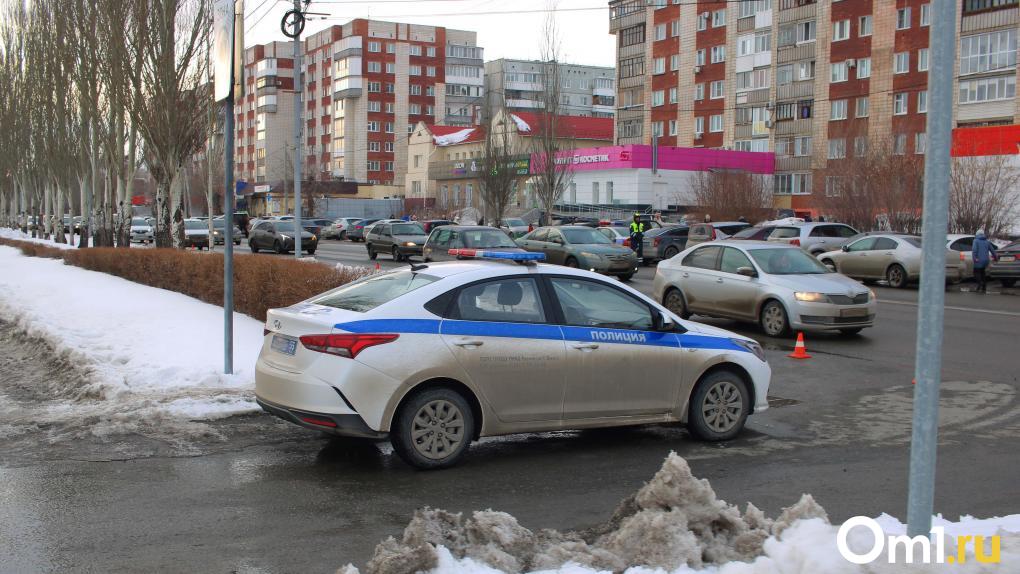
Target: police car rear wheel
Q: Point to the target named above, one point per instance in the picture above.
(719, 407)
(433, 429)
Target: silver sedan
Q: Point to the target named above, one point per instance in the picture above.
(780, 287)
(893, 257)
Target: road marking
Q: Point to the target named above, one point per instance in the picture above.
(951, 308)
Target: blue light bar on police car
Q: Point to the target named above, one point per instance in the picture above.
(483, 254)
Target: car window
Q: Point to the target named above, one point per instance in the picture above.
(747, 233)
(784, 233)
(787, 261)
(486, 239)
(538, 234)
(844, 231)
(965, 244)
(367, 294)
(702, 258)
(196, 225)
(731, 229)
(554, 237)
(134, 221)
(590, 304)
(822, 231)
(407, 229)
(883, 243)
(441, 237)
(915, 241)
(608, 233)
(676, 231)
(701, 230)
(862, 245)
(733, 259)
(583, 236)
(264, 226)
(507, 300)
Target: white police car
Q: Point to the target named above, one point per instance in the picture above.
(435, 356)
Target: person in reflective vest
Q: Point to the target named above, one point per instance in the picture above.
(637, 237)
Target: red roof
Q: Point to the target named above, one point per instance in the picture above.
(576, 127)
(990, 140)
(477, 133)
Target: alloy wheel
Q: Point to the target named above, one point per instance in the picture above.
(774, 320)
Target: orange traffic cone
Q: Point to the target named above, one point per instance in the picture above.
(799, 351)
(376, 266)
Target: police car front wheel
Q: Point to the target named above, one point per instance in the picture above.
(719, 406)
(433, 429)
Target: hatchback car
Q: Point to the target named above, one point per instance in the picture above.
(443, 239)
(665, 242)
(338, 229)
(278, 235)
(963, 244)
(196, 233)
(399, 240)
(582, 247)
(815, 238)
(1007, 268)
(895, 258)
(220, 235)
(705, 232)
(779, 287)
(434, 358)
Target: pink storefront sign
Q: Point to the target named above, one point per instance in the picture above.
(670, 158)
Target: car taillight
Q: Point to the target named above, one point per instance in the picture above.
(713, 233)
(626, 242)
(795, 242)
(347, 345)
(656, 241)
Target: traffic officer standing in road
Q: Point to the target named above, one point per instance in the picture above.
(637, 237)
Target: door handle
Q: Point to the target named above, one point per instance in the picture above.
(585, 346)
(468, 343)
(686, 275)
(719, 280)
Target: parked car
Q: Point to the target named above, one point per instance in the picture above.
(368, 228)
(1007, 268)
(895, 258)
(618, 234)
(279, 236)
(816, 237)
(515, 226)
(219, 233)
(399, 239)
(196, 233)
(963, 244)
(430, 224)
(357, 231)
(443, 239)
(755, 233)
(703, 232)
(315, 225)
(780, 287)
(141, 230)
(665, 242)
(583, 247)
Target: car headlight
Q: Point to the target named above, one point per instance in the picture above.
(215, 232)
(284, 237)
(313, 238)
(811, 297)
(589, 255)
(751, 346)
(871, 295)
(410, 244)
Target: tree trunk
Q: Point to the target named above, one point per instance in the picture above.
(163, 237)
(177, 210)
(61, 234)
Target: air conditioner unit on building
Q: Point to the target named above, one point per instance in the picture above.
(851, 63)
(697, 69)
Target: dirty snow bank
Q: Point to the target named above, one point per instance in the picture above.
(136, 352)
(8, 233)
(674, 523)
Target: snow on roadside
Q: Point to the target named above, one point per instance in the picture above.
(142, 355)
(8, 233)
(673, 524)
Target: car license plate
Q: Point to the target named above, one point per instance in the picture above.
(1007, 259)
(859, 312)
(284, 345)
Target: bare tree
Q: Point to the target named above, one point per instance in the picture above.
(497, 179)
(984, 193)
(731, 194)
(551, 177)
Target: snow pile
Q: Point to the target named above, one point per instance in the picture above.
(454, 138)
(674, 523)
(135, 352)
(8, 233)
(522, 126)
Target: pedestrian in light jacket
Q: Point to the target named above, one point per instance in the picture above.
(984, 252)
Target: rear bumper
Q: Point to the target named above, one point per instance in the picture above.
(1004, 270)
(336, 424)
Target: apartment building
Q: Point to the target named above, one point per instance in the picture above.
(584, 90)
(812, 81)
(367, 83)
(264, 117)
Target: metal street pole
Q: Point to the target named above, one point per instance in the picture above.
(228, 236)
(928, 369)
(298, 106)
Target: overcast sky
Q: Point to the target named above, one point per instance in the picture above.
(506, 28)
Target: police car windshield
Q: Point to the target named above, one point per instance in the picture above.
(583, 235)
(369, 293)
(782, 261)
(486, 239)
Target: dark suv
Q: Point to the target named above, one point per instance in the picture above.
(665, 242)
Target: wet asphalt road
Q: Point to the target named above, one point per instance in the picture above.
(258, 495)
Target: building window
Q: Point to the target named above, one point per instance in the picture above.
(719, 18)
(659, 65)
(900, 104)
(806, 31)
(389, 127)
(718, 54)
(389, 88)
(863, 105)
(374, 146)
(864, 26)
(414, 50)
(839, 72)
(373, 165)
(674, 28)
(805, 109)
(389, 107)
(900, 144)
(391, 68)
(374, 106)
(374, 47)
(922, 60)
(430, 90)
(863, 68)
(430, 71)
(415, 89)
(414, 71)
(901, 63)
(753, 80)
(718, 89)
(699, 92)
(388, 166)
(784, 75)
(632, 36)
(920, 143)
(715, 123)
(699, 57)
(374, 67)
(702, 21)
(988, 52)
(388, 146)
(840, 30)
(660, 32)
(792, 183)
(860, 146)
(833, 186)
(658, 98)
(609, 192)
(372, 126)
(674, 62)
(925, 14)
(630, 67)
(430, 51)
(391, 48)
(786, 111)
(374, 87)
(414, 109)
(988, 89)
(837, 148)
(656, 129)
(922, 102)
(672, 95)
(903, 18)
(699, 126)
(672, 127)
(802, 146)
(838, 110)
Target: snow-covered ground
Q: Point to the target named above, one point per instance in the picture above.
(673, 524)
(137, 354)
(8, 233)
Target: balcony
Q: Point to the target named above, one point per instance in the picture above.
(626, 13)
(533, 104)
(523, 86)
(609, 92)
(349, 87)
(349, 46)
(791, 127)
(599, 109)
(795, 90)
